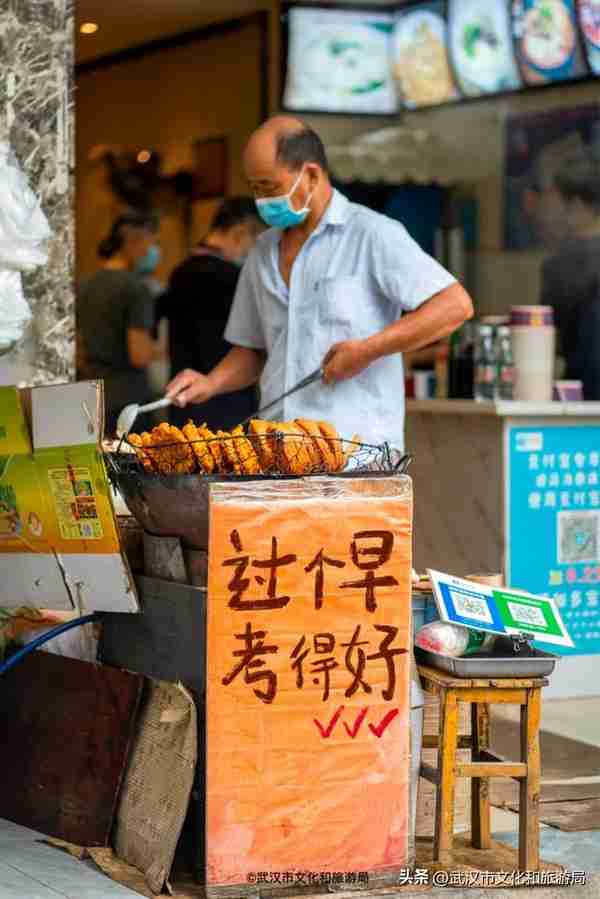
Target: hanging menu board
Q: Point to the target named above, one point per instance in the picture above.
(364, 60)
(589, 18)
(481, 47)
(547, 41)
(420, 57)
(339, 61)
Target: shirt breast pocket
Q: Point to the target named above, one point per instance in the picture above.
(347, 309)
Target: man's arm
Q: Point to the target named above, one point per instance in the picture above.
(240, 368)
(432, 321)
(142, 348)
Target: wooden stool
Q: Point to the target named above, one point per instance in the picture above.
(481, 693)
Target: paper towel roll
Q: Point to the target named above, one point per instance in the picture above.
(534, 353)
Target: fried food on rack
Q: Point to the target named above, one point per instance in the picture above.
(298, 448)
(335, 444)
(203, 455)
(151, 449)
(173, 452)
(230, 457)
(245, 451)
(326, 458)
(261, 437)
(214, 447)
(137, 442)
(316, 460)
(292, 455)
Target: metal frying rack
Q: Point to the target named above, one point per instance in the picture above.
(171, 502)
(234, 458)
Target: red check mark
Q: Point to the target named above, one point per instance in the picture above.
(327, 731)
(352, 731)
(385, 722)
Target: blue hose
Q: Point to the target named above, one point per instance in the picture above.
(43, 638)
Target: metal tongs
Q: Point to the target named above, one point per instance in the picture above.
(305, 382)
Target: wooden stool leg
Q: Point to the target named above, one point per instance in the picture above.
(444, 802)
(529, 804)
(480, 786)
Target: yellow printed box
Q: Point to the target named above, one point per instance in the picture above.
(59, 542)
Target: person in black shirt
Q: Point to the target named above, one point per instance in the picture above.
(115, 317)
(197, 303)
(571, 278)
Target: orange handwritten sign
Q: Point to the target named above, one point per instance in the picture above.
(309, 624)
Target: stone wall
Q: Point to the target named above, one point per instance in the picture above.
(37, 119)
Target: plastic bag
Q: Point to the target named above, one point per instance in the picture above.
(24, 228)
(15, 313)
(451, 640)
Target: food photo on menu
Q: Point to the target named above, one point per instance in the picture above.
(546, 35)
(481, 47)
(421, 64)
(589, 18)
(339, 61)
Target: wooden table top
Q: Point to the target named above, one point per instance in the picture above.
(443, 679)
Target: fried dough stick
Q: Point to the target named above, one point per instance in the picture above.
(292, 454)
(327, 459)
(246, 453)
(260, 435)
(335, 444)
(200, 448)
(137, 442)
(230, 457)
(173, 452)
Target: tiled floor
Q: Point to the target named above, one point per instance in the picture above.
(31, 870)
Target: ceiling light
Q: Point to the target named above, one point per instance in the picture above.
(144, 156)
(89, 28)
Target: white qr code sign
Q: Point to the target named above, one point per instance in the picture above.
(499, 610)
(471, 607)
(527, 614)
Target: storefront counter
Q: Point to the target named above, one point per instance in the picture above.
(515, 487)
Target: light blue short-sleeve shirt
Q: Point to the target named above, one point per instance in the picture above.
(355, 275)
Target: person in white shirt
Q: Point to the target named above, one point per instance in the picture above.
(330, 284)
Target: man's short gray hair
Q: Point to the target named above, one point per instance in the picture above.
(295, 148)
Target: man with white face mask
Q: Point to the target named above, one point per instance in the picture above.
(331, 284)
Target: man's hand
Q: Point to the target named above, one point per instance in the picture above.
(190, 387)
(346, 360)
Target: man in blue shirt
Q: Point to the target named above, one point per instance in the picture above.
(333, 284)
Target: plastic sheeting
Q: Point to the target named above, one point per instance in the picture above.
(24, 232)
(309, 641)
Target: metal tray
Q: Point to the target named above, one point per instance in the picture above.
(535, 664)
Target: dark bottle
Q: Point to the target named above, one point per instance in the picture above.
(486, 365)
(506, 365)
(461, 365)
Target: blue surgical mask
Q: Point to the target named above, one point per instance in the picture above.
(150, 262)
(278, 212)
